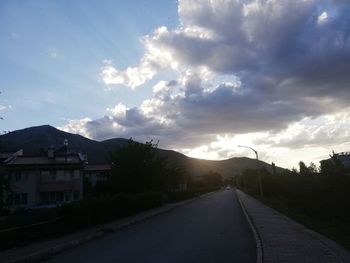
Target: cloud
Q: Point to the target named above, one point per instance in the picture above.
(330, 131)
(77, 126)
(288, 63)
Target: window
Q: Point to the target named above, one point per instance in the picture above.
(9, 200)
(60, 175)
(45, 176)
(17, 199)
(67, 196)
(44, 196)
(76, 195)
(59, 197)
(53, 175)
(18, 176)
(48, 175)
(69, 174)
(9, 177)
(52, 196)
(24, 199)
(25, 175)
(76, 174)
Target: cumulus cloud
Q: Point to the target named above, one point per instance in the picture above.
(77, 126)
(288, 62)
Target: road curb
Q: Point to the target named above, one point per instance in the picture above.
(49, 252)
(258, 240)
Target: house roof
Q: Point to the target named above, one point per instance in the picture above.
(9, 155)
(19, 161)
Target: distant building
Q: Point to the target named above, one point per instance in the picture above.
(344, 157)
(55, 178)
(328, 165)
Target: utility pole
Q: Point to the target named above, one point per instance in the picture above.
(257, 168)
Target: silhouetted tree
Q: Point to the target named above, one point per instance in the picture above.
(229, 181)
(303, 169)
(273, 168)
(312, 168)
(176, 176)
(137, 168)
(212, 179)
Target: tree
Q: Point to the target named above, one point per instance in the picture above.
(273, 165)
(177, 178)
(312, 168)
(212, 179)
(303, 169)
(137, 168)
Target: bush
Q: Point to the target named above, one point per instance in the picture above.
(317, 196)
(101, 209)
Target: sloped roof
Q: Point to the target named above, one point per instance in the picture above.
(71, 159)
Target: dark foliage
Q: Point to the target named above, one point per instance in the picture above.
(212, 179)
(137, 168)
(323, 195)
(101, 209)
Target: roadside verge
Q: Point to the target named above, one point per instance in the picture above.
(284, 240)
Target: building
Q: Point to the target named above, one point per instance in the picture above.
(344, 157)
(34, 180)
(337, 164)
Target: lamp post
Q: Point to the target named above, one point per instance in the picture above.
(257, 167)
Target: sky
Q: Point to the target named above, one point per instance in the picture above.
(200, 76)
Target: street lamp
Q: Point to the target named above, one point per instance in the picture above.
(257, 167)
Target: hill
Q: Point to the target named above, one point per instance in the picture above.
(36, 140)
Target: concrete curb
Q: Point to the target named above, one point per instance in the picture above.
(258, 240)
(49, 252)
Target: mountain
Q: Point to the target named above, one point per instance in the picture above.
(36, 140)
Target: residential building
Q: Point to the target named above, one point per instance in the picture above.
(344, 157)
(56, 178)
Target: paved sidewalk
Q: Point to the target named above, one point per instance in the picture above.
(284, 240)
(44, 250)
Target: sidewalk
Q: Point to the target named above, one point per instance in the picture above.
(283, 240)
(44, 250)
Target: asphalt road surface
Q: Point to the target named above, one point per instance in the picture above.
(210, 229)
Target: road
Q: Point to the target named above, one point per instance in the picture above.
(210, 229)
